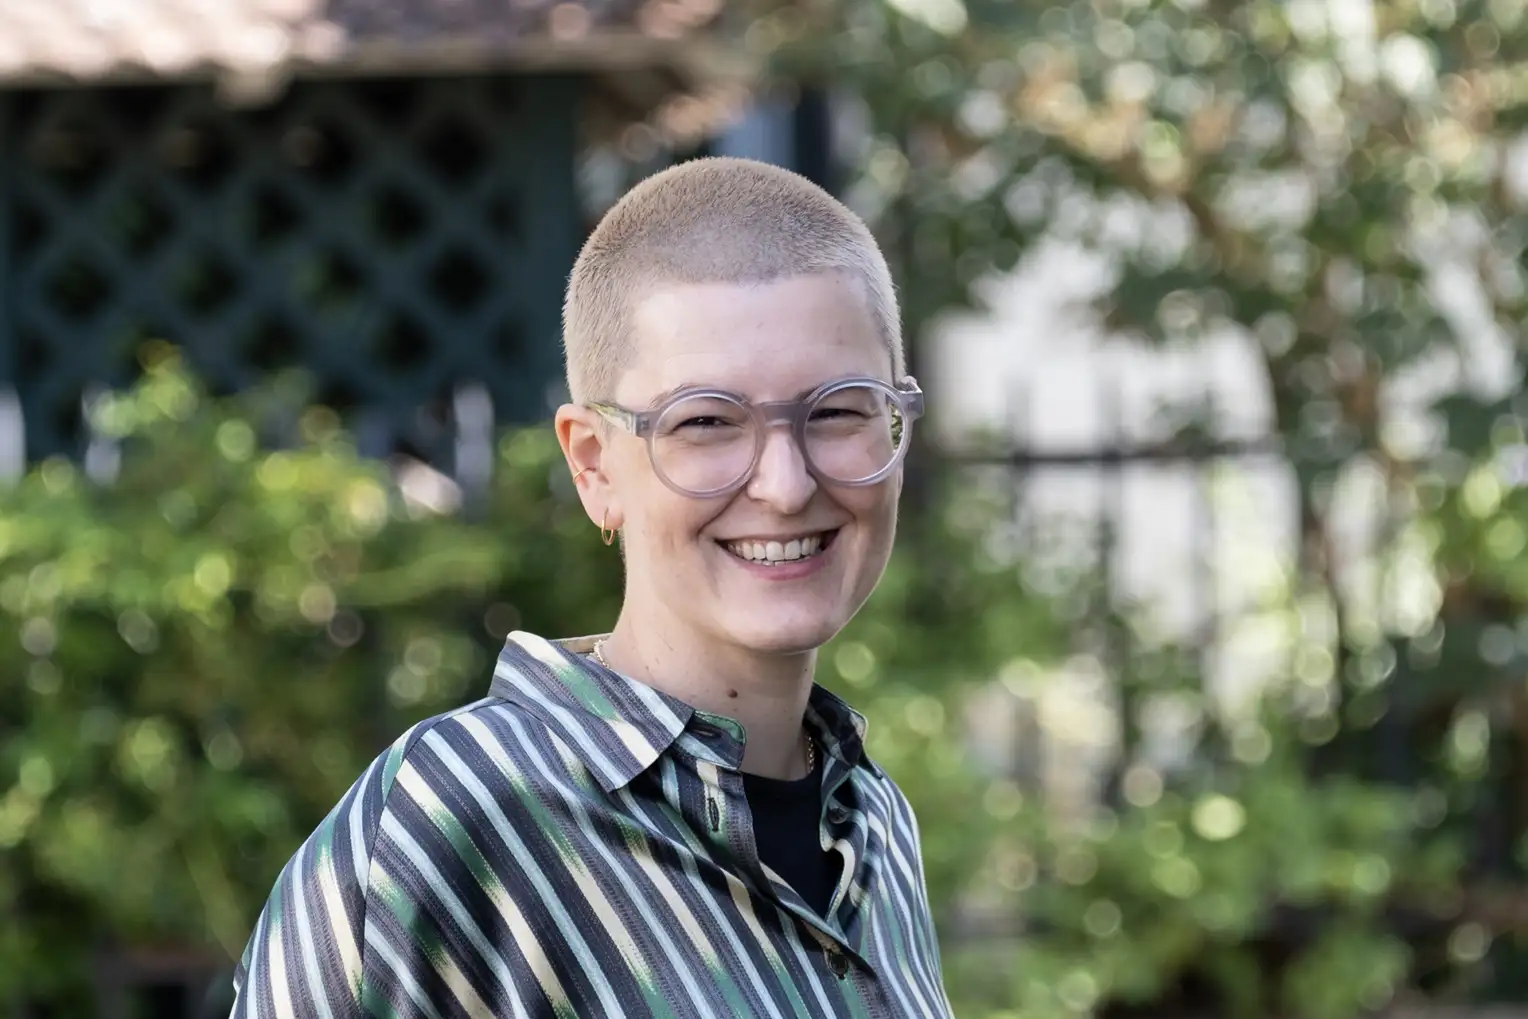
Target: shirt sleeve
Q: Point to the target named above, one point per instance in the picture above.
(924, 908)
(305, 956)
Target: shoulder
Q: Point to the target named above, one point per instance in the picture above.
(457, 772)
(892, 813)
(323, 894)
(492, 735)
(484, 757)
(898, 807)
(403, 755)
(425, 761)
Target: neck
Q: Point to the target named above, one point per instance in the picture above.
(767, 694)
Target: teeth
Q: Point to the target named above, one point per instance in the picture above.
(769, 552)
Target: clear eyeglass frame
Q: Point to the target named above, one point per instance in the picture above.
(906, 396)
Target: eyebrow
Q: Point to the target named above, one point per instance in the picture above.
(668, 394)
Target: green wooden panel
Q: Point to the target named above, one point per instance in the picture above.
(398, 238)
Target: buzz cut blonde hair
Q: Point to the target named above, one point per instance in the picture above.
(712, 220)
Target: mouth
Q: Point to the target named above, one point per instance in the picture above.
(778, 553)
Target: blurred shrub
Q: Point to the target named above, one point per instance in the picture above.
(201, 655)
(1249, 885)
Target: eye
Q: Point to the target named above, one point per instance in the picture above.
(702, 415)
(829, 413)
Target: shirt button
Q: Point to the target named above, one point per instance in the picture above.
(838, 963)
(837, 813)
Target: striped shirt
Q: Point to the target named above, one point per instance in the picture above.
(577, 844)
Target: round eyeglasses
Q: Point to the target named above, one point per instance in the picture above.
(705, 443)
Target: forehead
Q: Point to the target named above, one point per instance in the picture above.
(767, 341)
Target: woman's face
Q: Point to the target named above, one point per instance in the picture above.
(775, 341)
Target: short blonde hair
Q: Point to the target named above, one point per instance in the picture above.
(714, 220)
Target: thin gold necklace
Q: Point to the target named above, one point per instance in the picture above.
(811, 744)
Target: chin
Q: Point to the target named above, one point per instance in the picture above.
(784, 639)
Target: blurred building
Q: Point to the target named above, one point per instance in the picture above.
(384, 192)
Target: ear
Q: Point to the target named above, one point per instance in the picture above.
(582, 435)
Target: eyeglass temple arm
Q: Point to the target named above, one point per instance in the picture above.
(912, 396)
(619, 416)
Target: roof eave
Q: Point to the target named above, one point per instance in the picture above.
(698, 60)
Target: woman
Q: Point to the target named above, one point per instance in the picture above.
(671, 819)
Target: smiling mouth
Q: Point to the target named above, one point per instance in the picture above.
(774, 553)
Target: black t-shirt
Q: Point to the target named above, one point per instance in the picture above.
(786, 818)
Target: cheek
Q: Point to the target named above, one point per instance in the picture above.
(876, 511)
(670, 524)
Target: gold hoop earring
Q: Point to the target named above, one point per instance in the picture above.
(607, 534)
(582, 471)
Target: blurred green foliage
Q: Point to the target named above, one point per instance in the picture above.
(1341, 187)
(211, 646)
(202, 654)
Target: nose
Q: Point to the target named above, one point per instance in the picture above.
(781, 479)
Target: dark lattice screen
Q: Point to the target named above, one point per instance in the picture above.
(397, 238)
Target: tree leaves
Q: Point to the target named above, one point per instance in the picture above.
(1330, 186)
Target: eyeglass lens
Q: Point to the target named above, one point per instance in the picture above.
(707, 443)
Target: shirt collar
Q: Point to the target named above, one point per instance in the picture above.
(620, 727)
